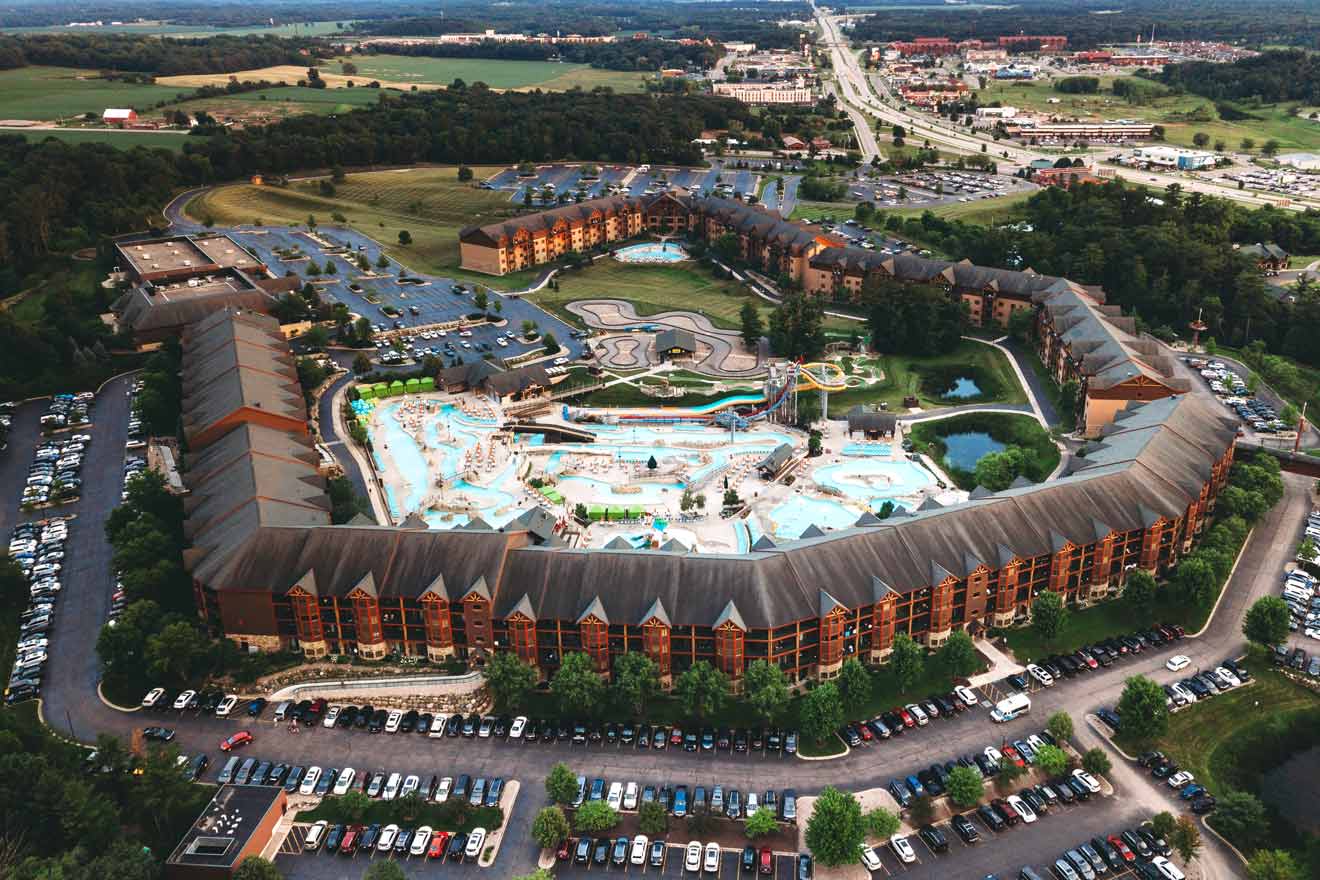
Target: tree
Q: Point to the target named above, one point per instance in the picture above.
(177, 652)
(1009, 773)
(550, 827)
(958, 655)
(509, 680)
(761, 823)
(652, 818)
(702, 690)
(1048, 614)
(854, 685)
(965, 786)
(727, 248)
(1052, 760)
(354, 806)
(907, 660)
(1269, 148)
(257, 868)
(1096, 762)
(1273, 864)
(1060, 726)
(821, 712)
(1241, 817)
(1139, 590)
(1200, 139)
(1195, 580)
(550, 343)
(922, 810)
(405, 237)
(1266, 623)
(766, 689)
(481, 299)
(561, 784)
(882, 823)
(464, 173)
(1142, 709)
(576, 686)
(595, 816)
(384, 869)
(1186, 839)
(1162, 824)
(636, 681)
(835, 830)
(361, 364)
(652, 464)
(382, 262)
(753, 328)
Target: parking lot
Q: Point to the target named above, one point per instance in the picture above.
(932, 188)
(553, 180)
(434, 300)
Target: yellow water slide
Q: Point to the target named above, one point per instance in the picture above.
(820, 376)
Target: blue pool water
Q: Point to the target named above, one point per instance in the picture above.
(867, 449)
(963, 451)
(873, 482)
(962, 388)
(653, 252)
(791, 518)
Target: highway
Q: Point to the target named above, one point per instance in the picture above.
(863, 105)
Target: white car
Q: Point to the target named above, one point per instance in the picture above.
(344, 781)
(387, 835)
(869, 858)
(1178, 662)
(443, 789)
(392, 721)
(438, 726)
(994, 755)
(1036, 742)
(411, 784)
(421, 841)
(1028, 815)
(392, 786)
(918, 713)
(1040, 675)
(1088, 780)
(1168, 870)
(712, 863)
(1227, 675)
(181, 701)
(630, 796)
(226, 706)
(309, 780)
(615, 797)
(1181, 779)
(519, 725)
(331, 717)
(638, 854)
(152, 698)
(967, 695)
(902, 847)
(692, 860)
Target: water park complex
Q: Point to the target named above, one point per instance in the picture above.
(517, 513)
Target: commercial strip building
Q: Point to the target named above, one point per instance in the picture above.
(238, 822)
(1088, 131)
(1172, 157)
(781, 92)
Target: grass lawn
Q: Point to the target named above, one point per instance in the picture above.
(45, 93)
(124, 140)
(903, 376)
(428, 202)
(284, 101)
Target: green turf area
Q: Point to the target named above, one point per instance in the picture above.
(1181, 115)
(429, 203)
(904, 375)
(124, 140)
(982, 211)
(46, 93)
(1011, 430)
(547, 75)
(284, 101)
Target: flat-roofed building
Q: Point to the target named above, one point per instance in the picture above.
(238, 822)
(155, 311)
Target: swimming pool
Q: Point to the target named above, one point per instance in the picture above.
(867, 449)
(872, 481)
(791, 518)
(652, 252)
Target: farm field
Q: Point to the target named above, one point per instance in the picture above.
(428, 202)
(282, 101)
(46, 93)
(1292, 132)
(124, 140)
(406, 72)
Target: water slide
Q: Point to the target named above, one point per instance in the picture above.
(815, 376)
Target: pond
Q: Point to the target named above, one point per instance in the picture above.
(964, 450)
(962, 388)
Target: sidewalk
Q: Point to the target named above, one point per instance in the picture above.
(1001, 666)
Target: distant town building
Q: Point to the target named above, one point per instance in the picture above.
(1174, 157)
(1300, 161)
(766, 93)
(113, 116)
(1269, 256)
(1064, 178)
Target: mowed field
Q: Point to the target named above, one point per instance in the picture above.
(46, 93)
(124, 140)
(429, 203)
(1292, 132)
(283, 101)
(407, 72)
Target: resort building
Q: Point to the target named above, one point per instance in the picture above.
(792, 92)
(1269, 257)
(533, 239)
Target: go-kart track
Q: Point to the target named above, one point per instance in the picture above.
(718, 351)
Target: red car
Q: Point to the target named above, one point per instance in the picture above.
(767, 861)
(1123, 850)
(908, 720)
(676, 737)
(865, 731)
(565, 849)
(438, 845)
(241, 738)
(1012, 754)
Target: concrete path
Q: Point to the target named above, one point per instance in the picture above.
(724, 357)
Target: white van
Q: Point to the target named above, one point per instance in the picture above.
(1012, 707)
(309, 780)
(152, 698)
(392, 786)
(315, 835)
(283, 709)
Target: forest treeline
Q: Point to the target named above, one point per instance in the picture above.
(1271, 77)
(152, 55)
